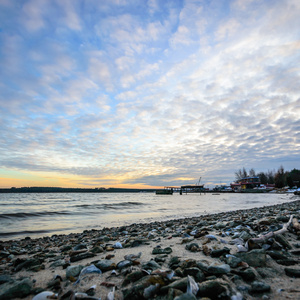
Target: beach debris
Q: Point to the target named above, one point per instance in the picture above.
(88, 270)
(111, 294)
(45, 295)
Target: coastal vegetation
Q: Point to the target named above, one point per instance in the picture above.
(280, 178)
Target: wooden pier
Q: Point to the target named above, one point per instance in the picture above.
(184, 189)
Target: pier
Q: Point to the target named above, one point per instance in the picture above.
(185, 189)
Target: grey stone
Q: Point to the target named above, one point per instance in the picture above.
(283, 241)
(58, 263)
(151, 265)
(213, 289)
(65, 248)
(292, 272)
(254, 258)
(16, 289)
(124, 264)
(219, 252)
(218, 269)
(5, 278)
(278, 254)
(245, 236)
(73, 271)
(247, 274)
(180, 284)
(27, 264)
(80, 247)
(133, 277)
(186, 296)
(193, 247)
(259, 287)
(195, 272)
(81, 256)
(105, 265)
(233, 261)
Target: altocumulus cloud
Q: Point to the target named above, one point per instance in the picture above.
(149, 92)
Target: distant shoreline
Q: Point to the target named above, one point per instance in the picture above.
(73, 190)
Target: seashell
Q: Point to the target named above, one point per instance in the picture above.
(45, 296)
(192, 286)
(117, 245)
(88, 270)
(211, 237)
(150, 291)
(241, 248)
(111, 294)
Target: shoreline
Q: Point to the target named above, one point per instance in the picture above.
(205, 247)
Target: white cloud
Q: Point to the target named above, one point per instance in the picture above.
(33, 18)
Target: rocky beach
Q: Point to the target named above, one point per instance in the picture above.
(244, 254)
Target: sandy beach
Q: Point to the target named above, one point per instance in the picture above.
(204, 257)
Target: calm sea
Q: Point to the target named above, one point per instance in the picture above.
(37, 215)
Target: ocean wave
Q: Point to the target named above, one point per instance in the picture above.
(32, 232)
(33, 214)
(119, 205)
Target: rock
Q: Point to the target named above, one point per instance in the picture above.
(180, 284)
(73, 271)
(259, 287)
(193, 247)
(219, 252)
(135, 292)
(245, 236)
(80, 247)
(214, 289)
(105, 265)
(81, 256)
(203, 265)
(27, 264)
(174, 262)
(254, 258)
(5, 278)
(16, 289)
(4, 253)
(58, 263)
(151, 265)
(267, 272)
(220, 225)
(233, 261)
(292, 272)
(133, 277)
(65, 248)
(247, 274)
(283, 241)
(195, 272)
(218, 269)
(186, 296)
(124, 264)
(167, 250)
(278, 254)
(287, 262)
(97, 249)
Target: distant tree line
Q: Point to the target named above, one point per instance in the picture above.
(280, 177)
(72, 190)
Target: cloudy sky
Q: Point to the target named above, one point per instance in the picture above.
(137, 93)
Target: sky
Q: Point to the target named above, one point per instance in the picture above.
(137, 93)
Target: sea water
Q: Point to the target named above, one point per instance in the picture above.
(46, 214)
